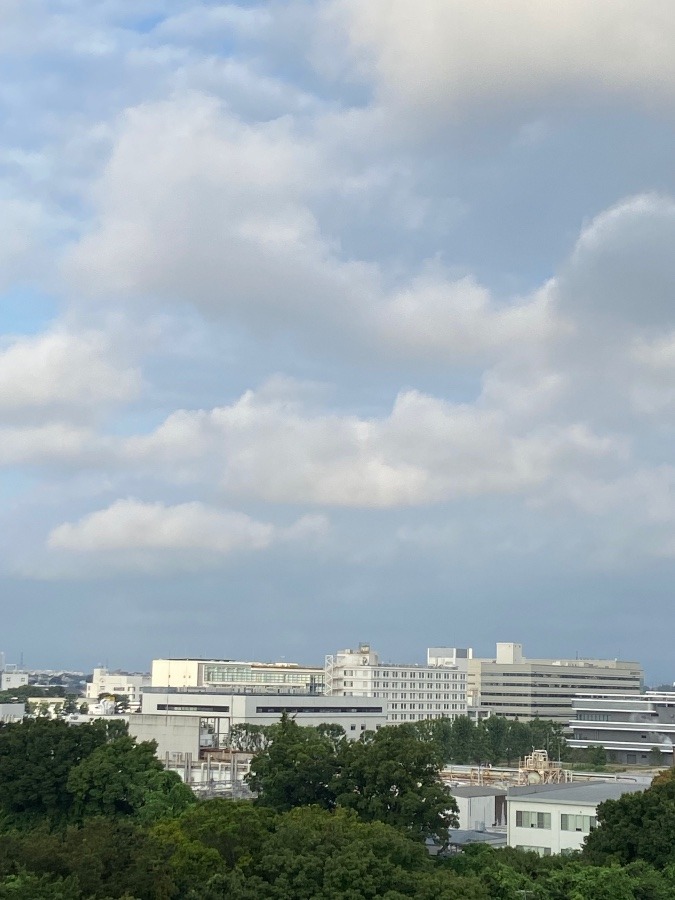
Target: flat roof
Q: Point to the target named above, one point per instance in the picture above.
(589, 793)
(476, 790)
(464, 836)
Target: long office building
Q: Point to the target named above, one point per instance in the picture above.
(198, 721)
(513, 686)
(410, 692)
(633, 730)
(223, 673)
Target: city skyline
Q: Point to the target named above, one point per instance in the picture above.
(324, 322)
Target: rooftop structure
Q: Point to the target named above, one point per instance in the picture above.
(230, 673)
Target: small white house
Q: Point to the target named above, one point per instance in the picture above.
(555, 818)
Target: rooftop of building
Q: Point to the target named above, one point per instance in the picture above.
(476, 790)
(238, 662)
(583, 792)
(257, 690)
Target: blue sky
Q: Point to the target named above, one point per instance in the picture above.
(324, 322)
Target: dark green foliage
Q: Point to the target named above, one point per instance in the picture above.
(392, 776)
(59, 773)
(35, 887)
(114, 825)
(125, 778)
(36, 757)
(637, 827)
(296, 769)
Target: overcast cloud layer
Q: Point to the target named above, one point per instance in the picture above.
(335, 321)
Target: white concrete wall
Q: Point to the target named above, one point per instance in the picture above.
(476, 813)
(176, 736)
(9, 681)
(175, 673)
(554, 838)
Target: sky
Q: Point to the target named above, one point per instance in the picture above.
(326, 322)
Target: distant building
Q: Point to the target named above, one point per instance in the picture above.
(199, 721)
(629, 727)
(118, 683)
(12, 712)
(410, 692)
(223, 673)
(555, 818)
(12, 678)
(515, 687)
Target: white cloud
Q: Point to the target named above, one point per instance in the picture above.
(49, 444)
(134, 533)
(425, 451)
(196, 206)
(61, 369)
(442, 58)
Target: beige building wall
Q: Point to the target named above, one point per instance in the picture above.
(519, 688)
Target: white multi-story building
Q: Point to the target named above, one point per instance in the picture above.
(127, 684)
(516, 687)
(224, 673)
(555, 818)
(411, 692)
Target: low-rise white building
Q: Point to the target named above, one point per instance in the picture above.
(410, 692)
(213, 713)
(555, 818)
(117, 683)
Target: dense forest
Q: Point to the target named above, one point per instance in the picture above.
(88, 814)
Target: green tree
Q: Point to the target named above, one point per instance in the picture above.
(314, 854)
(70, 706)
(597, 757)
(27, 886)
(36, 757)
(235, 829)
(296, 769)
(638, 826)
(461, 740)
(125, 778)
(656, 757)
(392, 776)
(517, 741)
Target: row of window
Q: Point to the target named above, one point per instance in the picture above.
(429, 676)
(317, 710)
(568, 822)
(402, 717)
(422, 706)
(598, 675)
(421, 696)
(184, 707)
